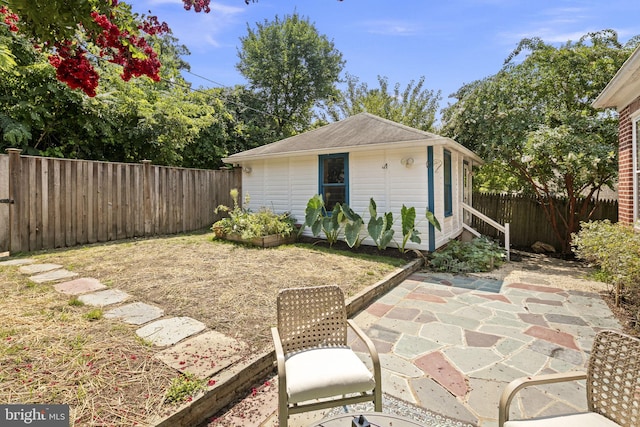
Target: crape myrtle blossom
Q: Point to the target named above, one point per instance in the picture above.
(116, 40)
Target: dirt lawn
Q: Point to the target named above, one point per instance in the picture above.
(54, 350)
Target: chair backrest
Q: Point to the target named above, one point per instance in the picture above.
(311, 317)
(613, 378)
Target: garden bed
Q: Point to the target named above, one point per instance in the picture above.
(262, 242)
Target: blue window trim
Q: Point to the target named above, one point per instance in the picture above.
(431, 201)
(448, 191)
(322, 185)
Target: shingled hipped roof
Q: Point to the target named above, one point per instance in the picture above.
(361, 131)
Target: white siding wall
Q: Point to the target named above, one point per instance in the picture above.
(287, 184)
(283, 185)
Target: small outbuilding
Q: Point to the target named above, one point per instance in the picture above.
(623, 93)
(359, 158)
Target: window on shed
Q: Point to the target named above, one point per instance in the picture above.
(334, 179)
(448, 192)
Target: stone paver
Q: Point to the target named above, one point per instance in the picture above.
(557, 337)
(203, 355)
(170, 331)
(38, 268)
(438, 367)
(79, 286)
(17, 261)
(104, 298)
(52, 276)
(136, 313)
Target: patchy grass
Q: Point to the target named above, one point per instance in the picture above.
(54, 350)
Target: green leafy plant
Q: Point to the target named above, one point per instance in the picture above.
(481, 254)
(313, 215)
(183, 387)
(353, 227)
(409, 230)
(615, 250)
(379, 228)
(317, 218)
(249, 224)
(332, 224)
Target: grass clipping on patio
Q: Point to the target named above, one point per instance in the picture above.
(51, 352)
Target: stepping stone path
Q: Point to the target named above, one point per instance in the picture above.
(189, 350)
(79, 286)
(170, 331)
(38, 268)
(102, 298)
(53, 275)
(203, 355)
(136, 313)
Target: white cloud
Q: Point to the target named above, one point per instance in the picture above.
(200, 31)
(554, 25)
(392, 27)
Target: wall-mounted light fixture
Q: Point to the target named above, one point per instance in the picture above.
(246, 169)
(406, 161)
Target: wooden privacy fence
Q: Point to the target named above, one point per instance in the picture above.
(526, 217)
(53, 203)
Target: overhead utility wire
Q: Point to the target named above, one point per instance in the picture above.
(227, 99)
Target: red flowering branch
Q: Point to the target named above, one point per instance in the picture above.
(9, 18)
(198, 5)
(74, 69)
(127, 48)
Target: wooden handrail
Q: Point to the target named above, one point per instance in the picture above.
(502, 228)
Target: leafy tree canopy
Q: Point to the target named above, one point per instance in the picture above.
(534, 121)
(292, 67)
(413, 106)
(127, 121)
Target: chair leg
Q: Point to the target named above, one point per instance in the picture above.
(377, 402)
(283, 414)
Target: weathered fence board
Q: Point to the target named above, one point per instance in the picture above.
(4, 204)
(526, 217)
(62, 202)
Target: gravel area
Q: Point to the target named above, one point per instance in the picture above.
(546, 270)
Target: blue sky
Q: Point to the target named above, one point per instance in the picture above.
(450, 42)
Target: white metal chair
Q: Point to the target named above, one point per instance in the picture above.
(613, 387)
(316, 368)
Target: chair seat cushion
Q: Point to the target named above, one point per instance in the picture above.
(589, 419)
(325, 372)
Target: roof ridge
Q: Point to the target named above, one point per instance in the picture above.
(400, 125)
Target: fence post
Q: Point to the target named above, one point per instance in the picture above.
(14, 195)
(146, 185)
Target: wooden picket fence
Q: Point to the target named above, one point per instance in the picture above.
(53, 203)
(526, 217)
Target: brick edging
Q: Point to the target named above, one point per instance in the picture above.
(234, 382)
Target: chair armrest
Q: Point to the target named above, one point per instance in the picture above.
(282, 373)
(518, 384)
(375, 358)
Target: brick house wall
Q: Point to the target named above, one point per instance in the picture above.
(625, 162)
